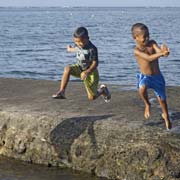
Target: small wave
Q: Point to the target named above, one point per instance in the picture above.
(33, 50)
(176, 60)
(24, 50)
(29, 73)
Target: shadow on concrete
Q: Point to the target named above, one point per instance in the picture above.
(64, 134)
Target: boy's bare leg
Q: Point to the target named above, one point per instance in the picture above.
(165, 114)
(65, 79)
(144, 97)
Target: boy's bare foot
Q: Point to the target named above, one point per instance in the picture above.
(167, 122)
(147, 111)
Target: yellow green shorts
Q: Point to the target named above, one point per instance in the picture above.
(91, 82)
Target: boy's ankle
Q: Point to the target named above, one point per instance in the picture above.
(169, 126)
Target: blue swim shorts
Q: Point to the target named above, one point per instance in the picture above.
(155, 82)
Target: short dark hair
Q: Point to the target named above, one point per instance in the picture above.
(81, 32)
(140, 28)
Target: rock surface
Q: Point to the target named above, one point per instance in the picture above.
(111, 140)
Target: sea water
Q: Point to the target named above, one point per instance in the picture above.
(33, 41)
(16, 170)
(33, 45)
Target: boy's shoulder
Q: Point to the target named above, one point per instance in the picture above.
(90, 45)
(152, 41)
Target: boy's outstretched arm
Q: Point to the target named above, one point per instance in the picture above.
(71, 49)
(85, 73)
(148, 57)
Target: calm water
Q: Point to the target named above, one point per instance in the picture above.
(33, 41)
(15, 170)
(33, 45)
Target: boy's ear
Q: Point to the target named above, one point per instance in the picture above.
(134, 37)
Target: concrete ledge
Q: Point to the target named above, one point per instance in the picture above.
(107, 139)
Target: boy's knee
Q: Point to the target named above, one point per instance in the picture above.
(142, 89)
(67, 69)
(161, 100)
(91, 98)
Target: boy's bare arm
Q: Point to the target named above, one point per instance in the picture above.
(85, 73)
(92, 67)
(163, 48)
(71, 49)
(156, 47)
(148, 57)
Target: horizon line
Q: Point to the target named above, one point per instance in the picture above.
(89, 6)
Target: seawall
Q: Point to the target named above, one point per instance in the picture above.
(111, 140)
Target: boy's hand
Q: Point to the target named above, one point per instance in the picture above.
(84, 75)
(69, 47)
(165, 50)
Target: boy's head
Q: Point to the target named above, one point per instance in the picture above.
(81, 37)
(140, 30)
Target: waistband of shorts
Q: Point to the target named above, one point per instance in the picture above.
(81, 68)
(153, 75)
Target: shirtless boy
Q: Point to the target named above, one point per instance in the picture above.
(147, 53)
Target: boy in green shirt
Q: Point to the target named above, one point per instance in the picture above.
(85, 68)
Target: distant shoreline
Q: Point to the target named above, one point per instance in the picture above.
(114, 7)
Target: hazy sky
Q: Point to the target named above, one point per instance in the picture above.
(120, 3)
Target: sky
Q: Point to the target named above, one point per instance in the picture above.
(72, 3)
